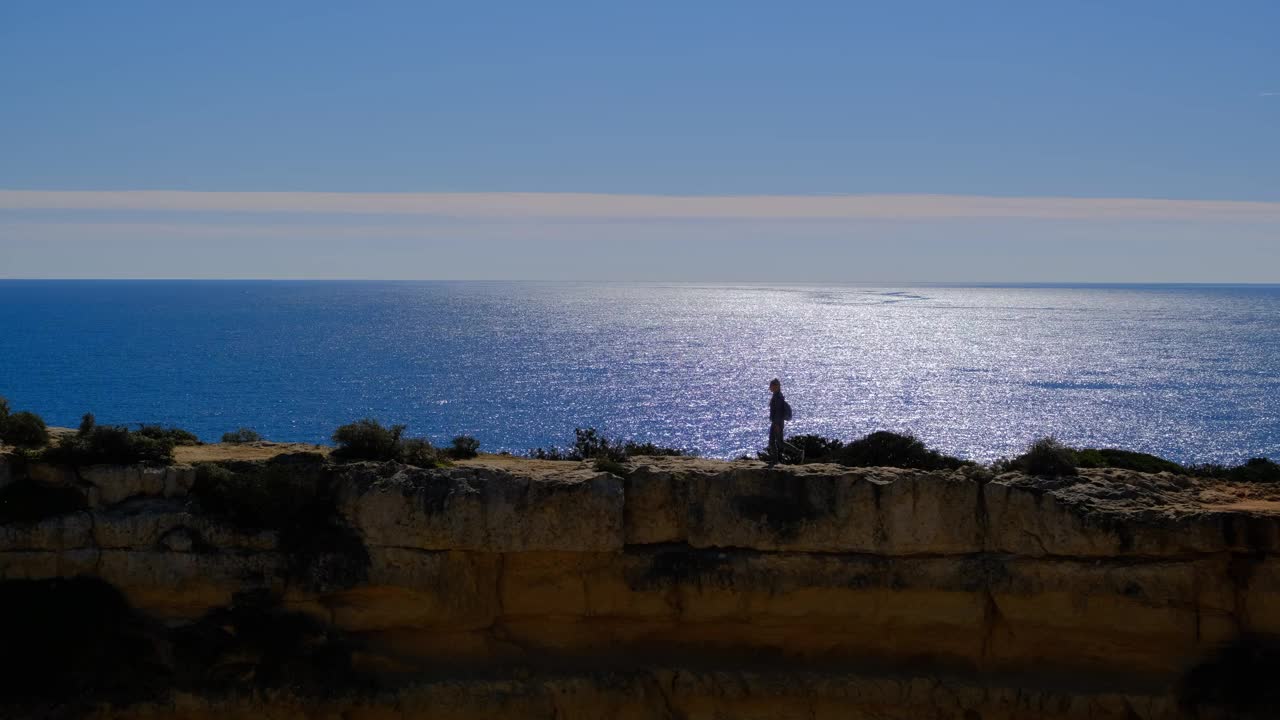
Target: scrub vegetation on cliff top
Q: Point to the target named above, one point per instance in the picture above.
(95, 444)
(1048, 457)
(241, 436)
(1045, 457)
(22, 429)
(591, 444)
(368, 439)
(879, 449)
(92, 444)
(177, 436)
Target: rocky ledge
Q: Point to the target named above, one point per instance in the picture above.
(295, 586)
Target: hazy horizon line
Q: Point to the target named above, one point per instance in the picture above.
(553, 281)
(547, 205)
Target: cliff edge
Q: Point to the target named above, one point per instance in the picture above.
(296, 586)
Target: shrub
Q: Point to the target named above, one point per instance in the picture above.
(1045, 456)
(1256, 470)
(97, 444)
(419, 452)
(612, 466)
(24, 430)
(241, 436)
(552, 453)
(1125, 459)
(1253, 470)
(817, 448)
(590, 444)
(368, 440)
(635, 449)
(177, 436)
(464, 446)
(889, 449)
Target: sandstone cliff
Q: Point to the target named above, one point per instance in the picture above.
(297, 587)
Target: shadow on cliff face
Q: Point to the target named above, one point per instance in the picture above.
(69, 642)
(28, 501)
(786, 505)
(679, 564)
(1240, 681)
(293, 495)
(256, 645)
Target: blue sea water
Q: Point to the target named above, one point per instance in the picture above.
(1191, 373)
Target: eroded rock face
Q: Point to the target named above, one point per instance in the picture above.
(483, 510)
(813, 508)
(805, 591)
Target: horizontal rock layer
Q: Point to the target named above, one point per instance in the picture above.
(1108, 595)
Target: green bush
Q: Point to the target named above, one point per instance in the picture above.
(1046, 457)
(590, 444)
(817, 449)
(419, 452)
(551, 453)
(242, 436)
(24, 430)
(889, 449)
(1126, 460)
(464, 446)
(367, 439)
(1257, 469)
(177, 436)
(635, 449)
(612, 466)
(97, 444)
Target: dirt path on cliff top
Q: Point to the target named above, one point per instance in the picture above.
(539, 469)
(188, 454)
(1119, 490)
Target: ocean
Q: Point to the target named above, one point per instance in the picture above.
(1191, 373)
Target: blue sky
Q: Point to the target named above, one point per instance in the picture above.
(1172, 100)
